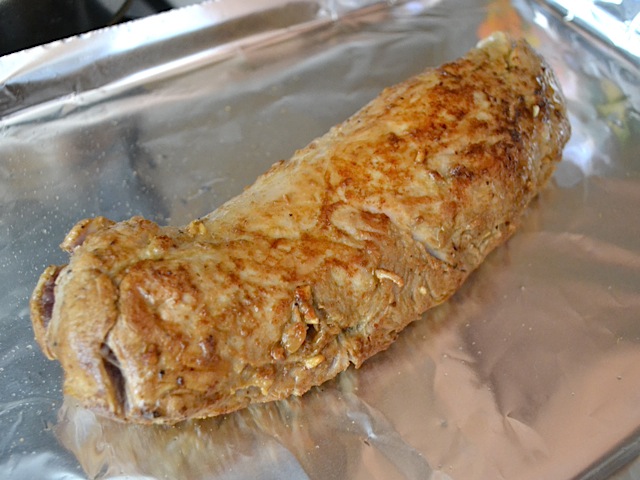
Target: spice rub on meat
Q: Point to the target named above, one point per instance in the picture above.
(321, 262)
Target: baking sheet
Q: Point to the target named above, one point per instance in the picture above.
(531, 371)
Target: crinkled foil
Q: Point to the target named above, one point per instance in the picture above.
(615, 22)
(531, 371)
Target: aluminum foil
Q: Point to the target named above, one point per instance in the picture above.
(616, 22)
(531, 371)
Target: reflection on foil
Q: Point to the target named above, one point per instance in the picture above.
(603, 98)
(238, 445)
(616, 22)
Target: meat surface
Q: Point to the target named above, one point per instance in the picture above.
(320, 263)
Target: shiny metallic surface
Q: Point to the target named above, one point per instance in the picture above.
(531, 371)
(614, 22)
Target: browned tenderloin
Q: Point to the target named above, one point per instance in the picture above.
(321, 262)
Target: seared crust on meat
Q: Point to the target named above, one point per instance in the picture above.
(321, 262)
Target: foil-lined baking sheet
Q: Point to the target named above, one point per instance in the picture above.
(531, 371)
(615, 22)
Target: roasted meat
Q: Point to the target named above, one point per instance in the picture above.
(321, 262)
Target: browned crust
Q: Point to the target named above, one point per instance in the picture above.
(320, 263)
